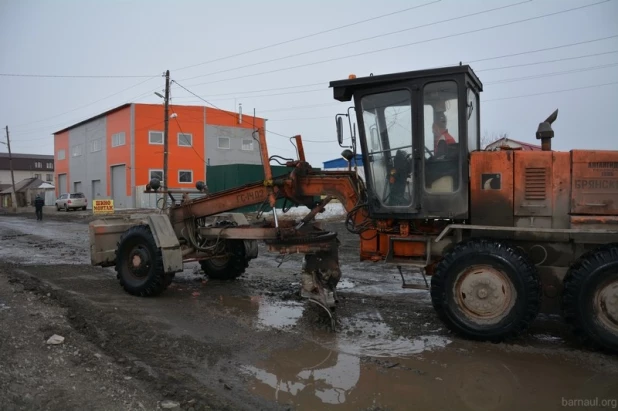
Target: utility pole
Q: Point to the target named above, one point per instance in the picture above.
(13, 194)
(166, 133)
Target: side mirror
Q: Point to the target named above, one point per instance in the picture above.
(339, 122)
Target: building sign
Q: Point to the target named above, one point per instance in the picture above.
(103, 206)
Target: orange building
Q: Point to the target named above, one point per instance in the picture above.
(110, 154)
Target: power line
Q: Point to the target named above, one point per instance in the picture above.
(326, 82)
(225, 111)
(553, 74)
(182, 132)
(86, 105)
(549, 61)
(550, 92)
(300, 119)
(273, 95)
(308, 36)
(545, 49)
(361, 40)
(482, 70)
(405, 45)
(468, 62)
(482, 101)
(71, 76)
(267, 89)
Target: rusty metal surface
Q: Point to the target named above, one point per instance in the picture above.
(484, 294)
(299, 148)
(165, 238)
(221, 202)
(533, 183)
(104, 236)
(552, 286)
(593, 220)
(561, 190)
(491, 188)
(595, 182)
(240, 233)
(572, 231)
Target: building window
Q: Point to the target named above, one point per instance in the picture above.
(158, 174)
(78, 150)
(95, 145)
(185, 176)
(155, 137)
(37, 176)
(61, 154)
(38, 164)
(50, 165)
(185, 139)
(49, 177)
(223, 143)
(247, 145)
(118, 139)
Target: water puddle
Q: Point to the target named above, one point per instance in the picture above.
(265, 312)
(312, 376)
(366, 364)
(367, 334)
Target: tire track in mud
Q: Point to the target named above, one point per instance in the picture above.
(149, 354)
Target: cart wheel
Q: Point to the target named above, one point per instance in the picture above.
(486, 290)
(590, 298)
(139, 264)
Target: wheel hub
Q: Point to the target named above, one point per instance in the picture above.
(606, 304)
(484, 293)
(138, 262)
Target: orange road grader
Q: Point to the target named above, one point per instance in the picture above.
(502, 234)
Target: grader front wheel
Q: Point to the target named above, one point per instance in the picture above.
(229, 267)
(486, 290)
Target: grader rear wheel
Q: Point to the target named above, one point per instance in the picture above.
(590, 297)
(486, 290)
(139, 264)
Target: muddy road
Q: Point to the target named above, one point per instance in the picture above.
(251, 344)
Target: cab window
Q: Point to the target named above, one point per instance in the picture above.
(387, 119)
(441, 132)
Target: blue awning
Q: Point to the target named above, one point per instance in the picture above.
(341, 162)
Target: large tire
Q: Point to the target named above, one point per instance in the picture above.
(230, 267)
(486, 290)
(590, 298)
(137, 246)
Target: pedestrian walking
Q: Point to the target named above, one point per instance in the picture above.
(38, 206)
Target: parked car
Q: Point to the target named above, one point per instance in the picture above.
(71, 201)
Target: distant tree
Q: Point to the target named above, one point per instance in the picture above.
(489, 137)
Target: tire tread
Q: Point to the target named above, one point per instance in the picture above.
(514, 256)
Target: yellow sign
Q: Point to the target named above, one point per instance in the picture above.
(103, 206)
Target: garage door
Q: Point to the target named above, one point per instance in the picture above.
(77, 187)
(119, 186)
(96, 189)
(62, 184)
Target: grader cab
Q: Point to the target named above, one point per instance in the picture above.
(502, 234)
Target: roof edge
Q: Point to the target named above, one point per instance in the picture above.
(105, 113)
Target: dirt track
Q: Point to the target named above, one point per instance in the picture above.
(252, 345)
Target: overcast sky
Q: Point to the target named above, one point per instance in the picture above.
(144, 38)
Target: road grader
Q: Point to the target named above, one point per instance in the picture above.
(503, 234)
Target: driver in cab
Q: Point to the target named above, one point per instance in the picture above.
(441, 137)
